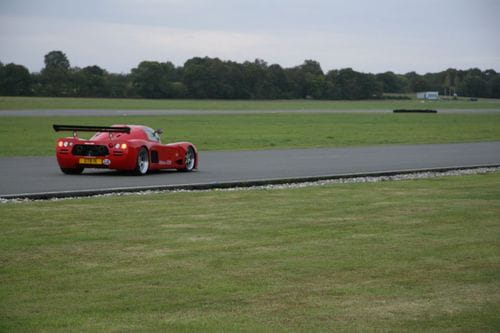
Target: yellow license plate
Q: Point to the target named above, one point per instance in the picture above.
(97, 161)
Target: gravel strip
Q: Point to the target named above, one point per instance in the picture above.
(409, 176)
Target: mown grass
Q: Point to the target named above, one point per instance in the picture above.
(20, 103)
(410, 255)
(22, 136)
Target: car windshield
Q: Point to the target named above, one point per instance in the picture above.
(152, 135)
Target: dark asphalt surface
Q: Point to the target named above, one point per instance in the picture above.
(20, 175)
(94, 113)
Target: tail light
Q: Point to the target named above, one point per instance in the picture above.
(61, 144)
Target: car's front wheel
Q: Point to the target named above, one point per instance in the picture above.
(72, 171)
(142, 165)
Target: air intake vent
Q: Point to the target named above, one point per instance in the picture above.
(90, 150)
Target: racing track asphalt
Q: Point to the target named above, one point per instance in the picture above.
(22, 175)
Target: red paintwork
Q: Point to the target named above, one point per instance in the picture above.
(170, 156)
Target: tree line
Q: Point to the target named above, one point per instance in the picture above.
(214, 78)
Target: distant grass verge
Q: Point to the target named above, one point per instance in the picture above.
(25, 136)
(19, 103)
(395, 256)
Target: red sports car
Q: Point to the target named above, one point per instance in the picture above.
(122, 147)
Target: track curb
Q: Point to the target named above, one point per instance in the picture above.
(231, 184)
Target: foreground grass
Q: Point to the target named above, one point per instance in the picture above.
(23, 136)
(20, 103)
(409, 255)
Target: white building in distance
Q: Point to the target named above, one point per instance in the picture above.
(432, 95)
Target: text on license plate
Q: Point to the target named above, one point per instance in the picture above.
(90, 161)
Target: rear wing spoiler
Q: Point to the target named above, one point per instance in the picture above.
(76, 128)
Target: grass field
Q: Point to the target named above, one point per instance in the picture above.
(416, 255)
(19, 103)
(23, 136)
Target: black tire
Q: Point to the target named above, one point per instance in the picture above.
(190, 160)
(72, 171)
(142, 162)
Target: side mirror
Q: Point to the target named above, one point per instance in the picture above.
(159, 131)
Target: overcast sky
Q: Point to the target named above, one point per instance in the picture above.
(367, 35)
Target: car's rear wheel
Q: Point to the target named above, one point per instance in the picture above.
(189, 160)
(142, 162)
(72, 171)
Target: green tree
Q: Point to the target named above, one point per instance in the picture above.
(56, 60)
(153, 79)
(279, 80)
(392, 83)
(91, 82)
(55, 76)
(350, 84)
(196, 77)
(474, 86)
(495, 87)
(347, 83)
(258, 80)
(417, 82)
(15, 80)
(120, 85)
(370, 87)
(213, 78)
(307, 80)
